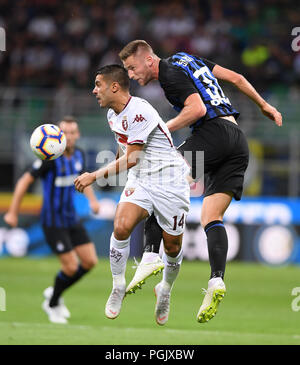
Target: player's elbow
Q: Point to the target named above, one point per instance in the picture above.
(199, 112)
(237, 79)
(132, 160)
(196, 113)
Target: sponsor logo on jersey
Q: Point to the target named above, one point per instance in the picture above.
(139, 118)
(64, 181)
(129, 191)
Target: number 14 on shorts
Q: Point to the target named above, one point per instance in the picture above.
(180, 222)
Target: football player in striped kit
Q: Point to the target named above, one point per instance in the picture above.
(190, 83)
(63, 231)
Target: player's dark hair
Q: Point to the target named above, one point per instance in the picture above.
(115, 73)
(132, 48)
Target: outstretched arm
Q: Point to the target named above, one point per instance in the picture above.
(127, 161)
(11, 217)
(245, 87)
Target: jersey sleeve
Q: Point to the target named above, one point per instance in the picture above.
(142, 123)
(39, 168)
(177, 84)
(209, 64)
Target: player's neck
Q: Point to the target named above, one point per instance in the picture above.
(155, 67)
(119, 105)
(69, 152)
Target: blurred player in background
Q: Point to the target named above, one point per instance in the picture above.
(190, 84)
(156, 184)
(64, 233)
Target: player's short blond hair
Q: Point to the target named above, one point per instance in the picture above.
(68, 119)
(132, 48)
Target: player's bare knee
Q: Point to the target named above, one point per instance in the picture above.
(172, 250)
(89, 263)
(70, 268)
(121, 231)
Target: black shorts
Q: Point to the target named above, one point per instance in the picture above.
(226, 156)
(62, 240)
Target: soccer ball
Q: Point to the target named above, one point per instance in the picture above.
(48, 142)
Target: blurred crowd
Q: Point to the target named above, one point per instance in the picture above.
(50, 43)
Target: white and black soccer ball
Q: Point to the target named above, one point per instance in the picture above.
(48, 142)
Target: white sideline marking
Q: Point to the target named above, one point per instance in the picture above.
(200, 332)
(46, 325)
(236, 333)
(168, 330)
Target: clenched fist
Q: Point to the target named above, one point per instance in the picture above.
(11, 219)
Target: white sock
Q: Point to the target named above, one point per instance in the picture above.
(171, 270)
(119, 252)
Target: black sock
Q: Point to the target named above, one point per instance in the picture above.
(217, 244)
(63, 281)
(153, 235)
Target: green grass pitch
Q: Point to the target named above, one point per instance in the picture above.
(257, 308)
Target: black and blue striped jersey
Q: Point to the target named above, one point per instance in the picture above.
(183, 74)
(58, 177)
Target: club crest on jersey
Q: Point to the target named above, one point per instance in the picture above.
(129, 191)
(185, 60)
(78, 166)
(138, 118)
(125, 123)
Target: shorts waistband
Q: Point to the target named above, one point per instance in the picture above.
(217, 120)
